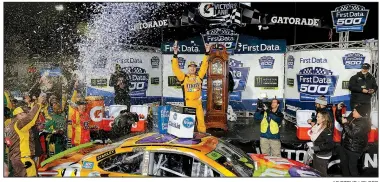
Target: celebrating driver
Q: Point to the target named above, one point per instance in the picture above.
(192, 84)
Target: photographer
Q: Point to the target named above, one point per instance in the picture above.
(270, 121)
(354, 140)
(321, 105)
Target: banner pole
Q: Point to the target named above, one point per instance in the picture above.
(162, 69)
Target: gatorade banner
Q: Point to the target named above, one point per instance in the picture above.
(256, 68)
(310, 74)
(140, 67)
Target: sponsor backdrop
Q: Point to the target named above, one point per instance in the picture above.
(144, 70)
(310, 74)
(254, 65)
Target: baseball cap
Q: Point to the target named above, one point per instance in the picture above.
(321, 100)
(366, 66)
(192, 63)
(18, 110)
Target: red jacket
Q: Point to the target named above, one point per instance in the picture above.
(80, 128)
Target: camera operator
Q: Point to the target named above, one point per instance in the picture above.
(354, 139)
(321, 105)
(270, 121)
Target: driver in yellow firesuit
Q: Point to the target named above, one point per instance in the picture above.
(192, 84)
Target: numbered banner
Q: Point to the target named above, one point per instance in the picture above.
(317, 73)
(350, 17)
(140, 67)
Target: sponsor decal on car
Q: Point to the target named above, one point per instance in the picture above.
(105, 155)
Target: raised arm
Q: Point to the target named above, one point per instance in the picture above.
(30, 120)
(203, 70)
(176, 70)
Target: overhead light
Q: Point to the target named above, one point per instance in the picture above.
(59, 7)
(247, 4)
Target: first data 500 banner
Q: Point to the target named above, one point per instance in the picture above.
(256, 67)
(310, 74)
(144, 70)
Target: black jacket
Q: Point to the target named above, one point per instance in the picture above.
(231, 83)
(113, 81)
(357, 83)
(324, 144)
(355, 134)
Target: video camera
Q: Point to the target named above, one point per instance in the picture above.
(262, 103)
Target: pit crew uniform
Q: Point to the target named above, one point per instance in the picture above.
(22, 146)
(80, 128)
(70, 119)
(192, 88)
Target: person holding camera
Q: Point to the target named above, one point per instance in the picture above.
(271, 119)
(362, 86)
(321, 136)
(320, 106)
(354, 140)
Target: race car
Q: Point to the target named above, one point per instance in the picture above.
(165, 155)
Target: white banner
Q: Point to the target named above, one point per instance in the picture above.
(310, 74)
(143, 68)
(253, 74)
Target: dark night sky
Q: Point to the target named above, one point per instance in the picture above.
(303, 34)
(37, 24)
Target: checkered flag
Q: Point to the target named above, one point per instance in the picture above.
(251, 16)
(234, 18)
(189, 17)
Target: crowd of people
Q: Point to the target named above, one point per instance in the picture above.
(44, 124)
(41, 125)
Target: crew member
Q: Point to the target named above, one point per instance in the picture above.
(22, 149)
(7, 121)
(120, 81)
(271, 119)
(321, 105)
(72, 107)
(56, 126)
(354, 140)
(192, 84)
(362, 86)
(80, 125)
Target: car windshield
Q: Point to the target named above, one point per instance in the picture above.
(232, 158)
